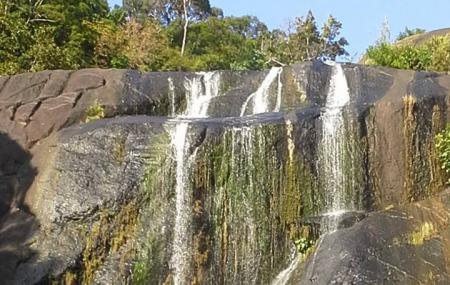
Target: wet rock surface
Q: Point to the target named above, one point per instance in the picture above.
(95, 203)
(402, 245)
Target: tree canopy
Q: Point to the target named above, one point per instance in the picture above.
(149, 34)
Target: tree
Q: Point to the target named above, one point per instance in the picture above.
(385, 33)
(168, 11)
(219, 43)
(129, 45)
(407, 33)
(37, 34)
(306, 41)
(331, 45)
(186, 7)
(149, 35)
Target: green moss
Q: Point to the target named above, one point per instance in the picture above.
(425, 232)
(119, 151)
(421, 123)
(249, 191)
(259, 189)
(150, 263)
(68, 278)
(303, 245)
(442, 146)
(417, 237)
(107, 235)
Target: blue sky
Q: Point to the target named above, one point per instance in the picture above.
(361, 19)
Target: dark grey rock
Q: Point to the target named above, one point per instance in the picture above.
(403, 245)
(92, 201)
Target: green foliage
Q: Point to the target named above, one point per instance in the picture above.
(303, 245)
(440, 49)
(433, 55)
(408, 32)
(95, 112)
(130, 45)
(147, 35)
(404, 57)
(37, 35)
(307, 42)
(442, 144)
(228, 43)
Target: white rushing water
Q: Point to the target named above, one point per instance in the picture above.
(243, 138)
(261, 103)
(333, 146)
(200, 90)
(172, 97)
(332, 149)
(284, 276)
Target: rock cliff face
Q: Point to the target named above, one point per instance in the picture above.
(210, 178)
(402, 245)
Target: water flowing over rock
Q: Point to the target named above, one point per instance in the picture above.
(282, 176)
(336, 170)
(200, 91)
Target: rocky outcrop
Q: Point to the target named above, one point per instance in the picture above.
(96, 202)
(401, 245)
(35, 105)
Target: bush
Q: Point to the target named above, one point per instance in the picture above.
(95, 112)
(431, 56)
(303, 245)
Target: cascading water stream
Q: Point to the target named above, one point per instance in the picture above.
(332, 148)
(172, 96)
(286, 274)
(200, 90)
(261, 103)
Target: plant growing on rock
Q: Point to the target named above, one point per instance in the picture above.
(434, 55)
(95, 112)
(303, 245)
(442, 144)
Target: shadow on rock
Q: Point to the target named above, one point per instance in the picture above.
(16, 223)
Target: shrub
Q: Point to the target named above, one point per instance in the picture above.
(303, 245)
(95, 112)
(434, 55)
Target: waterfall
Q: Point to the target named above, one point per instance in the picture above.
(332, 148)
(172, 97)
(260, 98)
(284, 276)
(199, 92)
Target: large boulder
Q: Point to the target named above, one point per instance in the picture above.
(401, 245)
(101, 202)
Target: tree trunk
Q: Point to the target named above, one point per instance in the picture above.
(186, 5)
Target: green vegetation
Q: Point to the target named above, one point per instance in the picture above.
(303, 245)
(409, 32)
(433, 55)
(406, 57)
(152, 35)
(38, 34)
(442, 144)
(95, 112)
(426, 231)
